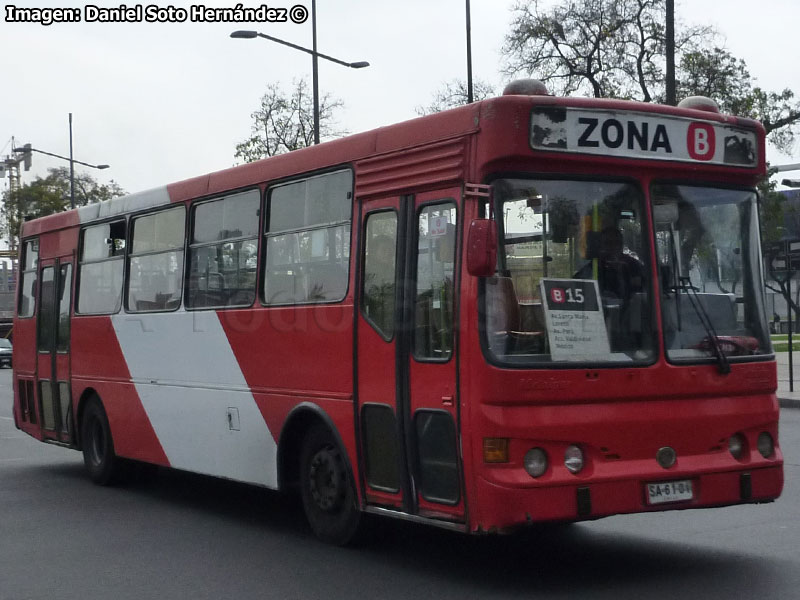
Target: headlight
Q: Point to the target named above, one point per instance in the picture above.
(573, 459)
(765, 445)
(536, 462)
(736, 445)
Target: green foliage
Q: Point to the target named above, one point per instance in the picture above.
(49, 195)
(772, 208)
(285, 122)
(720, 75)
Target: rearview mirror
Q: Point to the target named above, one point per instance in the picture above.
(482, 248)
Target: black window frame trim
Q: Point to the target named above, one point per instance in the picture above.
(80, 263)
(191, 216)
(264, 233)
(719, 185)
(130, 254)
(456, 266)
(646, 224)
(21, 276)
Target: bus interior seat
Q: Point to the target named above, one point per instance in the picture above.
(504, 320)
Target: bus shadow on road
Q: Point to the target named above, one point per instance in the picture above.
(580, 558)
(573, 558)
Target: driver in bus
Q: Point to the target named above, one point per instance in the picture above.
(619, 274)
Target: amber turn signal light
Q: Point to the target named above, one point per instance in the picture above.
(495, 450)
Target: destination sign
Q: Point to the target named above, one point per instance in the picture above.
(574, 319)
(641, 135)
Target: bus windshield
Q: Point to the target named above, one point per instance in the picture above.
(707, 242)
(572, 281)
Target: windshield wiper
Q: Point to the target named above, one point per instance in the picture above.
(723, 365)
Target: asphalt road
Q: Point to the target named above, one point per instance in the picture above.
(183, 536)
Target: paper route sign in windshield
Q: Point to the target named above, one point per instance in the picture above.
(574, 317)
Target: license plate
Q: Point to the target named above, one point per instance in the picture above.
(670, 491)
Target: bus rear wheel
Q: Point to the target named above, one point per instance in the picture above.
(327, 488)
(98, 446)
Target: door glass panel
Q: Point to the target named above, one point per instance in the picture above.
(46, 333)
(64, 302)
(64, 403)
(379, 272)
(382, 453)
(48, 406)
(433, 315)
(438, 463)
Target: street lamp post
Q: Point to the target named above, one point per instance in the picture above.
(315, 55)
(70, 159)
(470, 96)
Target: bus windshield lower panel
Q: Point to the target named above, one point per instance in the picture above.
(572, 282)
(707, 245)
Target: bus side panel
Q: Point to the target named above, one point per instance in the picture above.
(24, 372)
(295, 354)
(195, 396)
(98, 365)
(304, 349)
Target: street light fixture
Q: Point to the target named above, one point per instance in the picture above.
(27, 150)
(247, 35)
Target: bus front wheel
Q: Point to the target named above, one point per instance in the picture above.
(98, 446)
(327, 488)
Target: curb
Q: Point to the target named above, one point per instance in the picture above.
(789, 403)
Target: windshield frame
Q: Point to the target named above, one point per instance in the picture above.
(646, 256)
(757, 274)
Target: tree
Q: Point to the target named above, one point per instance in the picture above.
(454, 93)
(780, 220)
(286, 122)
(616, 48)
(719, 75)
(49, 195)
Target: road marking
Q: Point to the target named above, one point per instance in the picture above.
(6, 418)
(4, 460)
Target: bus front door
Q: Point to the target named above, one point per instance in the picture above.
(52, 345)
(407, 397)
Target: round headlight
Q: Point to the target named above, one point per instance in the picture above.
(573, 459)
(536, 462)
(736, 445)
(765, 445)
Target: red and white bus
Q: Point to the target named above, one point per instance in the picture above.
(527, 309)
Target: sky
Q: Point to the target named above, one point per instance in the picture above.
(162, 102)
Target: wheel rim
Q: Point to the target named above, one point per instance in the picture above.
(327, 480)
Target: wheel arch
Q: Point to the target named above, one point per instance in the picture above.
(300, 420)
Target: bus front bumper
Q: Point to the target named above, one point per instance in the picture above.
(502, 508)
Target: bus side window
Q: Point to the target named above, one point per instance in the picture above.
(28, 284)
(155, 264)
(223, 251)
(308, 240)
(100, 269)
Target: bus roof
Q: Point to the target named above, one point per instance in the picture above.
(445, 125)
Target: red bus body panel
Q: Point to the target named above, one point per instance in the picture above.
(282, 358)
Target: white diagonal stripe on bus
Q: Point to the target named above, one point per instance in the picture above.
(192, 422)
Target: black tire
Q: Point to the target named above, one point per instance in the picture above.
(327, 488)
(101, 463)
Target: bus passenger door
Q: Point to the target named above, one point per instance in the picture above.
(408, 412)
(52, 345)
